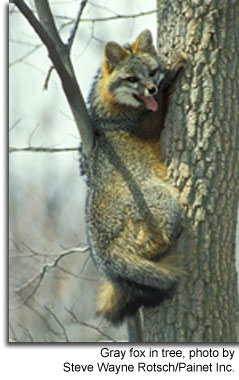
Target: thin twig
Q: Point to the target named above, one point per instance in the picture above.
(59, 55)
(37, 26)
(32, 134)
(59, 323)
(84, 324)
(20, 42)
(45, 86)
(102, 7)
(70, 39)
(26, 332)
(40, 276)
(109, 18)
(78, 276)
(26, 55)
(15, 124)
(43, 318)
(74, 30)
(14, 338)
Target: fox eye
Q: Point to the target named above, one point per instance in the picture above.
(153, 72)
(132, 79)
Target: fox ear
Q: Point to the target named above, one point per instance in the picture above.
(114, 54)
(144, 43)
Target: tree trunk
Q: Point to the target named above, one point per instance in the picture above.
(201, 140)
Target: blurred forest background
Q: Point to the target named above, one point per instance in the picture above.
(52, 281)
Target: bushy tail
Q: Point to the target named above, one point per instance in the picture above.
(118, 300)
(116, 303)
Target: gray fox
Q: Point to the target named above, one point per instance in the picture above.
(133, 214)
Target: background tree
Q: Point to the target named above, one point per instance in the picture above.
(201, 147)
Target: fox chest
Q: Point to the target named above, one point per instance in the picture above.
(128, 169)
(141, 158)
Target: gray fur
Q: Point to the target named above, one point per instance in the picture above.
(133, 215)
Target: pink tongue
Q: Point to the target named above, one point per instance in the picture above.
(150, 102)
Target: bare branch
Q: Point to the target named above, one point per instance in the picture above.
(59, 323)
(102, 7)
(47, 21)
(32, 134)
(59, 54)
(73, 33)
(37, 279)
(26, 55)
(43, 318)
(38, 255)
(26, 332)
(15, 124)
(42, 149)
(84, 324)
(29, 15)
(14, 338)
(109, 18)
(45, 86)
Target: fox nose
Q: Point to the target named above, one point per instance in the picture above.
(152, 90)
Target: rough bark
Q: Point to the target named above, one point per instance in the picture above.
(202, 150)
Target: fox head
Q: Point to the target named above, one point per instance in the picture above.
(131, 74)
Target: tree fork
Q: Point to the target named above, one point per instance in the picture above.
(59, 54)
